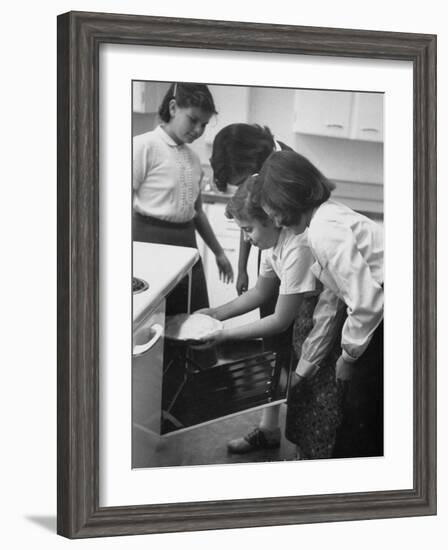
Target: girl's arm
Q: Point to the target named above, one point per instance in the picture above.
(328, 317)
(242, 282)
(286, 311)
(362, 300)
(248, 301)
(362, 294)
(206, 232)
(141, 162)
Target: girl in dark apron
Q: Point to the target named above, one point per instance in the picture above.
(166, 182)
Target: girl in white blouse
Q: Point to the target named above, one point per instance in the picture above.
(166, 183)
(348, 253)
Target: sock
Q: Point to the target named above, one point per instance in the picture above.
(270, 418)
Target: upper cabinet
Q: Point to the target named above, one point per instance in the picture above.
(367, 121)
(349, 115)
(147, 96)
(322, 113)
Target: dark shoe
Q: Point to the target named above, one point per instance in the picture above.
(255, 440)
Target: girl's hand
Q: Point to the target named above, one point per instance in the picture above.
(224, 267)
(296, 380)
(214, 337)
(297, 385)
(344, 370)
(242, 282)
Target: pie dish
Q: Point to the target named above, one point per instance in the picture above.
(191, 328)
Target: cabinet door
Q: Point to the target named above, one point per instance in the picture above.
(138, 97)
(228, 235)
(323, 113)
(221, 293)
(368, 117)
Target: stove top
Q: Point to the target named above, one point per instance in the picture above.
(139, 285)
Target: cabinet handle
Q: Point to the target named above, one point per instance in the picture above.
(339, 126)
(375, 130)
(143, 348)
(229, 249)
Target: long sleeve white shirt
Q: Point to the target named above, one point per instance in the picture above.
(348, 252)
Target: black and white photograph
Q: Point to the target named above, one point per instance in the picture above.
(257, 274)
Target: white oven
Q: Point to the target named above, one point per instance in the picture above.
(147, 376)
(157, 269)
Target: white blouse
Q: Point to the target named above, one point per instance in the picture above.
(290, 260)
(348, 251)
(166, 177)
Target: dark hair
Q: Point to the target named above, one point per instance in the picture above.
(239, 150)
(187, 94)
(245, 203)
(292, 185)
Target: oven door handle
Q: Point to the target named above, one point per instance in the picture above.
(143, 348)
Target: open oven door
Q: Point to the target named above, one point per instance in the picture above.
(205, 385)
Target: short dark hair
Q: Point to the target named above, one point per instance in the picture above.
(239, 150)
(291, 185)
(245, 203)
(187, 94)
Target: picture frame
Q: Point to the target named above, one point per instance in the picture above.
(80, 35)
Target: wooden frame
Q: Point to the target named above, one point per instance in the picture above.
(79, 37)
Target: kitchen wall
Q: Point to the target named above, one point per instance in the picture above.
(355, 166)
(340, 159)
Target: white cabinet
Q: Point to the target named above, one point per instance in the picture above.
(323, 113)
(147, 96)
(367, 124)
(340, 114)
(228, 235)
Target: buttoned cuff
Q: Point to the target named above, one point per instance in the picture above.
(348, 358)
(306, 369)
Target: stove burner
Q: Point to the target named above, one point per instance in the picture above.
(139, 285)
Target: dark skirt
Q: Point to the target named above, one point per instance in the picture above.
(314, 406)
(361, 432)
(152, 230)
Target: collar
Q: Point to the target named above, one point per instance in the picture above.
(165, 137)
(277, 146)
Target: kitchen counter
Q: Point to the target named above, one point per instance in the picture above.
(215, 196)
(162, 267)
